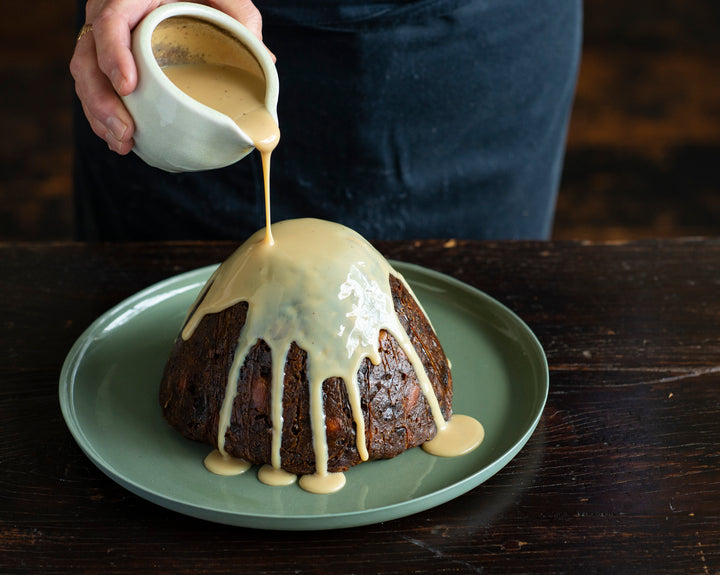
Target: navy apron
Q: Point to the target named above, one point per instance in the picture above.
(401, 120)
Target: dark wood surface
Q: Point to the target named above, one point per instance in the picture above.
(621, 476)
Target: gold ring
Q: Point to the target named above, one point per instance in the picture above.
(84, 30)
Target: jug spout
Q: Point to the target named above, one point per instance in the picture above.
(216, 143)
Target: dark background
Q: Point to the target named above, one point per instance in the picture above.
(643, 156)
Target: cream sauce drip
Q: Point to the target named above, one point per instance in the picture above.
(221, 465)
(237, 93)
(275, 476)
(461, 435)
(240, 95)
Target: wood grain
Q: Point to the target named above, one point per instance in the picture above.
(621, 475)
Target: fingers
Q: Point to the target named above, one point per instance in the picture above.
(245, 12)
(104, 69)
(112, 28)
(103, 108)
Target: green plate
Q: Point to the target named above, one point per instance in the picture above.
(109, 388)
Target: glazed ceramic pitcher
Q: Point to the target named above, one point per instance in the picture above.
(173, 131)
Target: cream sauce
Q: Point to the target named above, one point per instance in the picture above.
(324, 287)
(461, 435)
(237, 93)
(312, 282)
(222, 464)
(240, 95)
(275, 476)
(320, 484)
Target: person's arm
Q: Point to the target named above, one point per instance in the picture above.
(103, 66)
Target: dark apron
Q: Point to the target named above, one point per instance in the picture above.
(401, 120)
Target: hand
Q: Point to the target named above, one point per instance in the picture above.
(104, 68)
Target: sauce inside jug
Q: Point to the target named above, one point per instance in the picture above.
(240, 95)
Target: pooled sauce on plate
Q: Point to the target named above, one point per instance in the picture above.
(308, 281)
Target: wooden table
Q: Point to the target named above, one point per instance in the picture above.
(621, 476)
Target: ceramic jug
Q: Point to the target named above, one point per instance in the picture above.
(173, 131)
